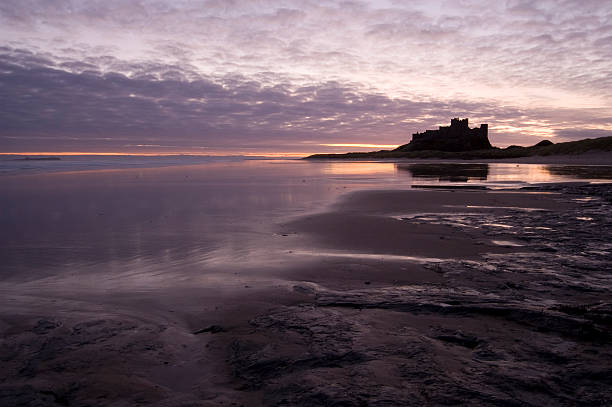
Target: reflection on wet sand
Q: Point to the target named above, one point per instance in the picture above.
(447, 172)
(358, 168)
(503, 172)
(581, 171)
(225, 283)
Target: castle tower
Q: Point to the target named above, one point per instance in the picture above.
(484, 130)
(458, 123)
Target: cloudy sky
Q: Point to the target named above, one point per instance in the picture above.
(291, 76)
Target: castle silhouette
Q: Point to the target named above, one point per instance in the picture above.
(456, 137)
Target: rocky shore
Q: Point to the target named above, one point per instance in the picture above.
(528, 327)
(503, 300)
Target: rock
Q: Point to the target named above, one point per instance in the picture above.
(43, 326)
(302, 289)
(213, 329)
(458, 338)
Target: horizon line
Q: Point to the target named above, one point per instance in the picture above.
(105, 153)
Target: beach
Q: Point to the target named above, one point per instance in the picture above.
(289, 203)
(306, 284)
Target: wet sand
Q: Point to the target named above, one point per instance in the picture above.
(405, 297)
(516, 311)
(588, 158)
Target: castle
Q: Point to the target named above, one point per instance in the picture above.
(456, 137)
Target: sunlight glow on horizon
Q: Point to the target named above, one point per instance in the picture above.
(163, 154)
(362, 145)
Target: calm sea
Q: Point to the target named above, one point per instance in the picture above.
(146, 221)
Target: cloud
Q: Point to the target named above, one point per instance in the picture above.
(43, 101)
(47, 107)
(277, 72)
(434, 46)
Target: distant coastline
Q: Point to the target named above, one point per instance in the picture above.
(37, 159)
(570, 148)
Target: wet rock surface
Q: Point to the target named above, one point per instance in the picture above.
(89, 362)
(531, 327)
(526, 326)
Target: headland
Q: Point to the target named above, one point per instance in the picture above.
(460, 142)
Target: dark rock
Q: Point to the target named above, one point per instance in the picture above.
(27, 396)
(458, 338)
(213, 329)
(43, 326)
(302, 289)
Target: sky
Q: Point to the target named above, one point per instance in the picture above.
(293, 77)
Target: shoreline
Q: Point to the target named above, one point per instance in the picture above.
(601, 145)
(595, 158)
(504, 310)
(514, 312)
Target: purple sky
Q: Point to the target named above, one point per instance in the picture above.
(230, 76)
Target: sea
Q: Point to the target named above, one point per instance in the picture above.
(142, 222)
